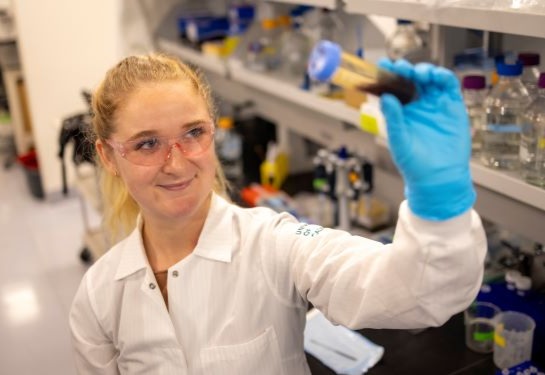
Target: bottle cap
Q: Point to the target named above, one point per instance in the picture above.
(324, 60)
(512, 275)
(225, 122)
(529, 58)
(474, 82)
(523, 283)
(268, 24)
(509, 70)
(541, 81)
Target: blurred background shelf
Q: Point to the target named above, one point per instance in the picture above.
(330, 4)
(289, 91)
(504, 21)
(187, 54)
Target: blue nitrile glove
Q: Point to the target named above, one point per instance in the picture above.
(430, 141)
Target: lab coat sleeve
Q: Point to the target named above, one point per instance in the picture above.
(431, 271)
(94, 351)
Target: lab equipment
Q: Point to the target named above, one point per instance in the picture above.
(405, 43)
(430, 142)
(513, 338)
(530, 71)
(329, 63)
(342, 350)
(274, 169)
(525, 368)
(532, 139)
(505, 106)
(479, 325)
(74, 131)
(199, 30)
(474, 89)
(229, 149)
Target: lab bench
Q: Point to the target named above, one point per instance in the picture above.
(434, 351)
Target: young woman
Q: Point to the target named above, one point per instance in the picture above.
(202, 286)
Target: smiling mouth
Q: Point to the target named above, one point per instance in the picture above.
(178, 186)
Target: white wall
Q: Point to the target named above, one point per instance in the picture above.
(65, 46)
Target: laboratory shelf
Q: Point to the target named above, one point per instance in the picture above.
(330, 4)
(509, 184)
(503, 21)
(187, 54)
(290, 92)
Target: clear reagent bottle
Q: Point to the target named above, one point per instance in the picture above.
(505, 106)
(474, 90)
(329, 63)
(405, 43)
(532, 139)
(530, 71)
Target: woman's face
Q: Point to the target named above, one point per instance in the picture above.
(180, 185)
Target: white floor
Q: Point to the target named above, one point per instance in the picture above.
(40, 271)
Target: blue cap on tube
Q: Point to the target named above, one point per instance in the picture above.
(324, 60)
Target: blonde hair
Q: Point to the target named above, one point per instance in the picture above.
(120, 209)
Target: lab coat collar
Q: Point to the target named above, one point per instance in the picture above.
(215, 242)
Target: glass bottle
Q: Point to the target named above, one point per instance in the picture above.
(530, 72)
(532, 139)
(474, 90)
(505, 106)
(263, 53)
(405, 43)
(295, 48)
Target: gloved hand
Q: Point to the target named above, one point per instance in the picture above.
(430, 141)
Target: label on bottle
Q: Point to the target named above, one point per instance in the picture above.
(523, 152)
(503, 128)
(541, 143)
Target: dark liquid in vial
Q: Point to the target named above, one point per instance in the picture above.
(399, 86)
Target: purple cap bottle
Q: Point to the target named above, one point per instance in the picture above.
(474, 82)
(541, 82)
(529, 58)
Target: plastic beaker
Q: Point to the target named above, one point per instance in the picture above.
(479, 323)
(513, 339)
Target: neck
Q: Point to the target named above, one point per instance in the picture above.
(169, 241)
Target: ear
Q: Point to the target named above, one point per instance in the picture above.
(107, 158)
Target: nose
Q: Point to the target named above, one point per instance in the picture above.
(175, 156)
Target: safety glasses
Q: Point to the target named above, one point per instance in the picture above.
(156, 150)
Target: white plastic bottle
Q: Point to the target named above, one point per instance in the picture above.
(505, 106)
(474, 90)
(405, 43)
(229, 149)
(532, 139)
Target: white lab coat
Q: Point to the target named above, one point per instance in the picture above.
(237, 304)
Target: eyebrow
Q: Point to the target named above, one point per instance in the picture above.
(149, 133)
